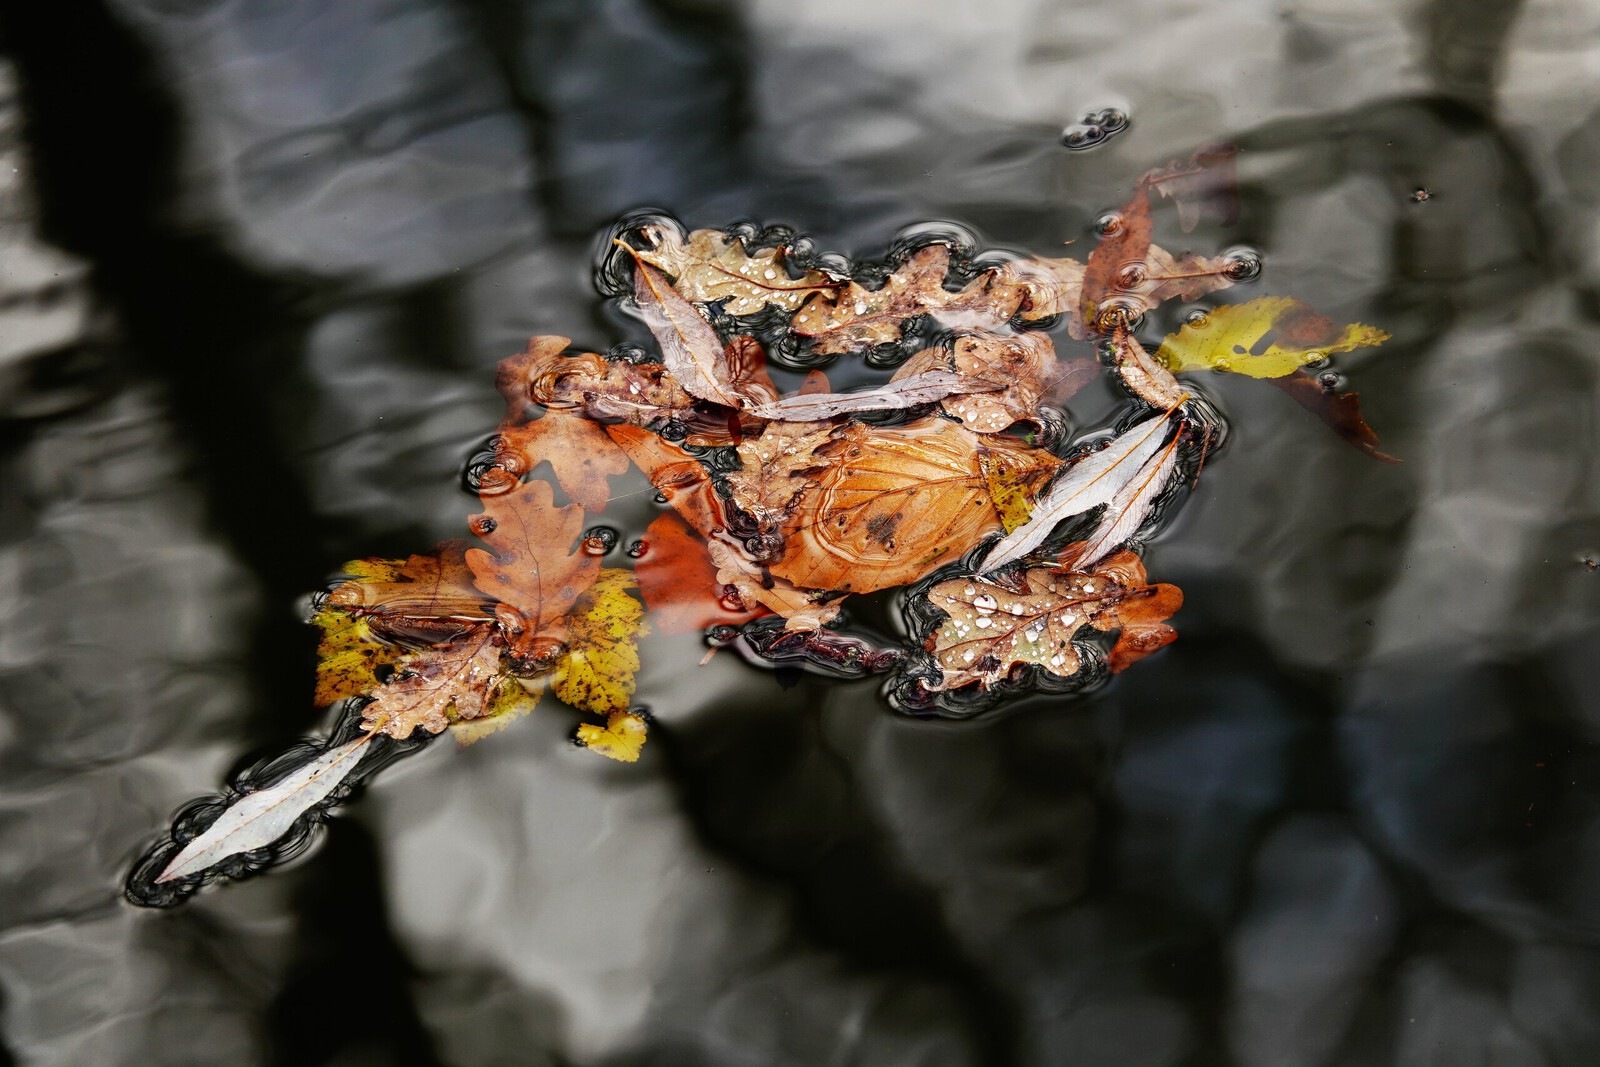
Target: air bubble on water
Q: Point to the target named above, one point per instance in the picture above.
(598, 540)
(661, 497)
(1317, 360)
(1110, 119)
(1419, 194)
(637, 548)
(1132, 276)
(674, 430)
(1242, 264)
(1196, 317)
(1329, 380)
(1079, 138)
(1109, 224)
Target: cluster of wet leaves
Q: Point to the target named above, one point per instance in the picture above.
(1017, 551)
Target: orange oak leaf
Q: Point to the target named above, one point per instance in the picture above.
(535, 568)
(992, 627)
(895, 503)
(676, 475)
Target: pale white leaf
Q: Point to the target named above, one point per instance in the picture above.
(690, 348)
(922, 388)
(1093, 480)
(1128, 510)
(260, 818)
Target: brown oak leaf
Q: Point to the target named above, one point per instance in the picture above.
(1025, 362)
(992, 627)
(712, 266)
(435, 686)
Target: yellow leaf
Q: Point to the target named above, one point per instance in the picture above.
(620, 739)
(1228, 339)
(1013, 481)
(597, 672)
(347, 651)
(514, 698)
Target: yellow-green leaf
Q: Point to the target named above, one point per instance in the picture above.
(597, 672)
(1229, 338)
(620, 738)
(347, 651)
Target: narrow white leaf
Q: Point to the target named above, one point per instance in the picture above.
(908, 392)
(690, 348)
(260, 818)
(1128, 510)
(1093, 480)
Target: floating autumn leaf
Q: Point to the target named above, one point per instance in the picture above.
(386, 606)
(753, 584)
(1228, 338)
(1013, 480)
(1340, 411)
(895, 503)
(777, 466)
(1142, 375)
(433, 686)
(676, 475)
(1123, 248)
(991, 627)
(903, 392)
(263, 816)
(1024, 364)
(1043, 287)
(621, 738)
(690, 348)
(536, 570)
(1102, 477)
(546, 376)
(512, 699)
(713, 266)
(602, 659)
(856, 318)
(679, 581)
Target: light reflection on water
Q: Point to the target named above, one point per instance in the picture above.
(1349, 817)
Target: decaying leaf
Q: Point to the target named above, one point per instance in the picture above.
(546, 376)
(856, 318)
(779, 465)
(713, 266)
(1229, 338)
(676, 475)
(1206, 181)
(434, 686)
(753, 584)
(1024, 365)
(513, 698)
(895, 503)
(1142, 375)
(992, 627)
(1122, 249)
(602, 659)
(536, 569)
(1130, 508)
(1013, 480)
(908, 392)
(1093, 479)
(690, 348)
(621, 738)
(257, 819)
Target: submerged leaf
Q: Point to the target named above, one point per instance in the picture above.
(602, 658)
(620, 739)
(712, 266)
(259, 818)
(513, 698)
(909, 392)
(1341, 412)
(1228, 339)
(680, 584)
(1206, 181)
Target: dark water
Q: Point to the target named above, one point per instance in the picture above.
(257, 263)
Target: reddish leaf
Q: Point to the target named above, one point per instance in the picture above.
(1206, 181)
(1340, 411)
(1124, 248)
(680, 583)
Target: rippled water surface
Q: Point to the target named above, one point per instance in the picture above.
(257, 264)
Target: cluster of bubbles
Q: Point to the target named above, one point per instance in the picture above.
(1094, 129)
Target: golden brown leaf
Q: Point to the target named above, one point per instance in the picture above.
(1142, 375)
(992, 627)
(894, 504)
(1121, 251)
(777, 466)
(576, 448)
(1025, 362)
(680, 584)
(713, 266)
(1013, 480)
(676, 475)
(434, 685)
(536, 569)
(753, 584)
(690, 348)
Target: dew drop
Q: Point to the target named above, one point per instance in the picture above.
(985, 603)
(983, 622)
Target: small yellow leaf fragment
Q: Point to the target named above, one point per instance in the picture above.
(1229, 338)
(597, 674)
(620, 739)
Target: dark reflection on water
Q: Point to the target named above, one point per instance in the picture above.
(259, 262)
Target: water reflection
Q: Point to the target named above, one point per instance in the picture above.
(264, 257)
